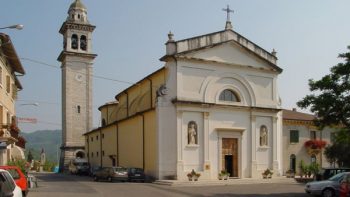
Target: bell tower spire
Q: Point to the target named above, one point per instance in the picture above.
(77, 68)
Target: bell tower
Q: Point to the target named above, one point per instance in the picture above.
(77, 67)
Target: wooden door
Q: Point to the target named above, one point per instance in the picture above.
(229, 156)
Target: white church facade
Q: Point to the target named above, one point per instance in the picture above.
(213, 106)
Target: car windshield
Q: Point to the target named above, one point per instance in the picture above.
(336, 177)
(13, 173)
(119, 169)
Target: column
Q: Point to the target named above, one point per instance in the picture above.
(254, 167)
(207, 164)
(180, 163)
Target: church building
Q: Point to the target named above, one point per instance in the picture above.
(213, 106)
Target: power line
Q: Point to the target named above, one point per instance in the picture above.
(96, 76)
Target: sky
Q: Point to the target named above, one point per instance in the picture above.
(130, 35)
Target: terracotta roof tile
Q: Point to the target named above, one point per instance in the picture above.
(295, 115)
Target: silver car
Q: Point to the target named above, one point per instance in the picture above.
(326, 188)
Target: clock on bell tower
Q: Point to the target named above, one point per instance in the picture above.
(77, 67)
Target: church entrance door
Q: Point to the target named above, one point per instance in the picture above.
(230, 156)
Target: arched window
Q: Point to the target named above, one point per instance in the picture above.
(293, 161)
(263, 136)
(313, 159)
(74, 43)
(78, 108)
(83, 43)
(229, 95)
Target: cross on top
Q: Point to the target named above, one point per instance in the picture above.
(228, 10)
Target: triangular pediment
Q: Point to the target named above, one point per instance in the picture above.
(230, 53)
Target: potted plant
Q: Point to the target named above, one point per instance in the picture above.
(193, 175)
(314, 146)
(223, 175)
(290, 173)
(267, 173)
(196, 176)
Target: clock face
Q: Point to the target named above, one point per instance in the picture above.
(79, 77)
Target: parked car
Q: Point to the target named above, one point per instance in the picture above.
(111, 174)
(19, 177)
(79, 166)
(8, 187)
(326, 188)
(344, 190)
(326, 173)
(136, 174)
(94, 169)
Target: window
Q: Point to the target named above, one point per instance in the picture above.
(74, 41)
(103, 122)
(92, 154)
(103, 153)
(293, 162)
(78, 108)
(92, 139)
(96, 137)
(8, 84)
(103, 135)
(313, 158)
(83, 43)
(294, 136)
(229, 95)
(313, 135)
(14, 91)
(97, 154)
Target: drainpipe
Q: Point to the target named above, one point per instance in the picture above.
(101, 164)
(143, 141)
(117, 132)
(151, 91)
(127, 104)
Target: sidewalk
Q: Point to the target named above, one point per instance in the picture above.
(243, 181)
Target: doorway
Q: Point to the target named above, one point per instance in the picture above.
(230, 156)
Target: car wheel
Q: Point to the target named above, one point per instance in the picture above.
(109, 179)
(95, 178)
(328, 193)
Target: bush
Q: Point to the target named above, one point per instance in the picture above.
(49, 166)
(20, 163)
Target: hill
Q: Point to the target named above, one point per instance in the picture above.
(49, 140)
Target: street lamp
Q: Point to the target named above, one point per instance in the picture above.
(18, 27)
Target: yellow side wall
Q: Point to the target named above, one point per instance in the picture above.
(150, 143)
(94, 147)
(121, 111)
(109, 145)
(130, 142)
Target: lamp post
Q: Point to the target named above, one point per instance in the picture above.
(18, 27)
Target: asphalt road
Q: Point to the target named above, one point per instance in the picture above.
(57, 185)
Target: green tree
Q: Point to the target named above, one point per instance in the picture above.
(331, 96)
(30, 156)
(330, 102)
(20, 163)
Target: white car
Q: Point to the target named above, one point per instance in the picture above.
(8, 187)
(326, 188)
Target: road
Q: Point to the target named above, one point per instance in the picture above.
(57, 185)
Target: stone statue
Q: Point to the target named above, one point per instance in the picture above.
(263, 136)
(192, 132)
